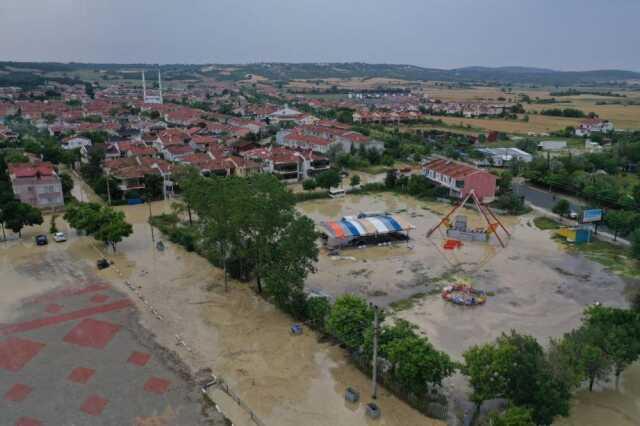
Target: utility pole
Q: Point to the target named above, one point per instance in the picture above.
(153, 238)
(108, 190)
(376, 331)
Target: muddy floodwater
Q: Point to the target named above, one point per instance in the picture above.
(284, 379)
(297, 380)
(537, 288)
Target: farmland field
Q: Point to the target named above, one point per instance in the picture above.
(622, 116)
(536, 123)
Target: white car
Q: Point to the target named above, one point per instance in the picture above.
(59, 237)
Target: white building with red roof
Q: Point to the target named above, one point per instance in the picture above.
(461, 178)
(594, 125)
(287, 164)
(36, 184)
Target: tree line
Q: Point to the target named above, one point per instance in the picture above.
(249, 227)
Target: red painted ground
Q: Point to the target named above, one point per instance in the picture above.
(139, 358)
(99, 298)
(156, 385)
(15, 353)
(53, 308)
(17, 393)
(92, 333)
(28, 421)
(70, 316)
(81, 375)
(69, 292)
(94, 405)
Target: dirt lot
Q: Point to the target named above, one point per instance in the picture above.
(72, 351)
(539, 288)
(284, 379)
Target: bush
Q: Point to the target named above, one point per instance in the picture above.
(317, 310)
(349, 318)
(635, 244)
(186, 237)
(309, 185)
(511, 203)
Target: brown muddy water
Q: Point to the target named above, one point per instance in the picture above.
(538, 288)
(289, 380)
(284, 379)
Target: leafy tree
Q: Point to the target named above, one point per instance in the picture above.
(417, 364)
(515, 368)
(511, 202)
(114, 228)
(345, 116)
(621, 222)
(562, 207)
(355, 180)
(580, 357)
(17, 215)
(217, 201)
(513, 416)
(67, 184)
(153, 187)
(619, 331)
(317, 311)
(89, 91)
(53, 228)
(350, 317)
(309, 185)
(329, 179)
(391, 179)
(504, 182)
(635, 243)
(292, 259)
(103, 223)
(15, 156)
(269, 210)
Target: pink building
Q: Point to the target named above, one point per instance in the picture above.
(461, 178)
(37, 184)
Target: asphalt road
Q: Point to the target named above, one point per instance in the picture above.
(546, 200)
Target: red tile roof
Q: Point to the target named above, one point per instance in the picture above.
(26, 170)
(452, 168)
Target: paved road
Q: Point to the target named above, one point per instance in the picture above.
(542, 198)
(546, 200)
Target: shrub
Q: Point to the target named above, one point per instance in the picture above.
(309, 185)
(317, 310)
(350, 316)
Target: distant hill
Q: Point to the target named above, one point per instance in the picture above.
(290, 71)
(513, 75)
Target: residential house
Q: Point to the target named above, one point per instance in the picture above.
(36, 184)
(76, 142)
(594, 125)
(552, 145)
(499, 157)
(461, 179)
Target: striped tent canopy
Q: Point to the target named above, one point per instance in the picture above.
(349, 227)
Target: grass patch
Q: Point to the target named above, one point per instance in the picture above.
(616, 258)
(405, 304)
(545, 223)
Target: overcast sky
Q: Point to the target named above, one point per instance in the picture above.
(560, 34)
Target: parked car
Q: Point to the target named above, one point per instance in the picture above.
(59, 237)
(573, 215)
(42, 240)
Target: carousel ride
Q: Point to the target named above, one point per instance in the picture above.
(455, 233)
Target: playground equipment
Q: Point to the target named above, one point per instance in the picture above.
(459, 230)
(576, 235)
(464, 295)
